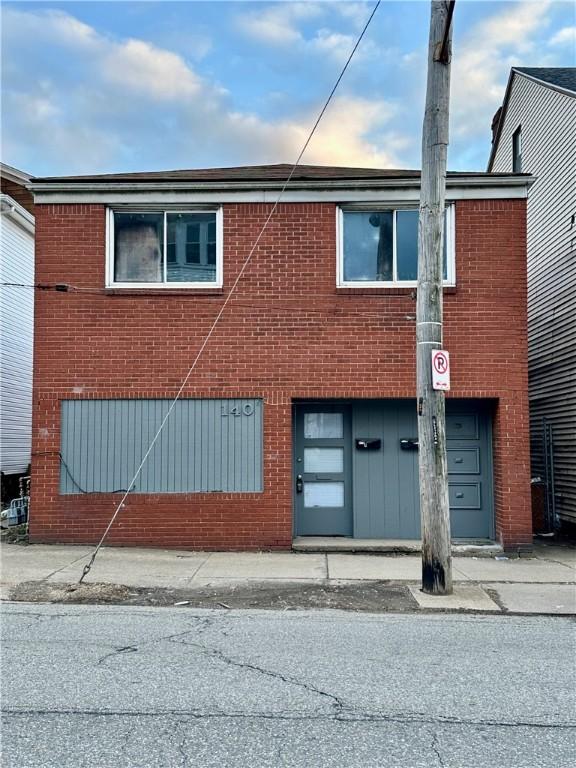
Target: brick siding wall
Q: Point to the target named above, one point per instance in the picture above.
(287, 333)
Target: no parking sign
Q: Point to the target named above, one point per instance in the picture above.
(440, 369)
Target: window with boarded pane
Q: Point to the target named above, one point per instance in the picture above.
(380, 247)
(207, 445)
(164, 247)
(138, 247)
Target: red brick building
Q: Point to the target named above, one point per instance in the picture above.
(300, 417)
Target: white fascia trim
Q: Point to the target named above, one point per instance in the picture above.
(13, 174)
(481, 180)
(175, 195)
(17, 213)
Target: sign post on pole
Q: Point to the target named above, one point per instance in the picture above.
(440, 370)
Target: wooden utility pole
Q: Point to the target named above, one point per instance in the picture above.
(434, 504)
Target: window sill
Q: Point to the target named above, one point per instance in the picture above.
(389, 291)
(111, 291)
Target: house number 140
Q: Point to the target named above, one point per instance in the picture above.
(238, 410)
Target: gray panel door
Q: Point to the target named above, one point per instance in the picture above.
(386, 503)
(322, 476)
(468, 448)
(386, 495)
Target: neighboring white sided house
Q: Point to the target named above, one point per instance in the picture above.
(16, 321)
(535, 132)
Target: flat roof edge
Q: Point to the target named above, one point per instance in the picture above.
(520, 180)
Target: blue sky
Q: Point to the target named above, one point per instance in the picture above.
(96, 87)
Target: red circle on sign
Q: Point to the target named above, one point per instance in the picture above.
(440, 363)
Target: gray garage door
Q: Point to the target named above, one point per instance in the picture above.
(383, 471)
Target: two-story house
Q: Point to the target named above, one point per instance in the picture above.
(300, 417)
(16, 326)
(535, 131)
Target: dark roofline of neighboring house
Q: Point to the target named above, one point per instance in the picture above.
(14, 175)
(14, 184)
(558, 78)
(529, 74)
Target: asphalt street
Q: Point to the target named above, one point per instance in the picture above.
(125, 687)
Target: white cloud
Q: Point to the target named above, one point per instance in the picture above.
(481, 63)
(335, 44)
(357, 13)
(565, 36)
(142, 67)
(43, 132)
(128, 98)
(341, 139)
(514, 26)
(277, 24)
(37, 109)
(65, 29)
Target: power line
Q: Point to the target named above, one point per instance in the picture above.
(338, 308)
(229, 295)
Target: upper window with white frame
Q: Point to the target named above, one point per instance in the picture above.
(379, 247)
(163, 248)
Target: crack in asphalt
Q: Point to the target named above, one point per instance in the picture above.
(350, 716)
(128, 733)
(37, 616)
(118, 651)
(435, 748)
(204, 623)
(215, 653)
(180, 745)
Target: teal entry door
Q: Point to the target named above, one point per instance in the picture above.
(322, 471)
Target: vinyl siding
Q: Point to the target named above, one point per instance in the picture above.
(16, 324)
(548, 120)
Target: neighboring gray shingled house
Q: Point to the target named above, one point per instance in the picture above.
(535, 131)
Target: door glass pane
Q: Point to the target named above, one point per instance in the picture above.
(323, 425)
(323, 494)
(323, 459)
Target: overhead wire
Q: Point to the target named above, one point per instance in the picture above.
(229, 295)
(283, 305)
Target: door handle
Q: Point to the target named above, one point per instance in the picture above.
(299, 484)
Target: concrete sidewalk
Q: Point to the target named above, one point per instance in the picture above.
(544, 583)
